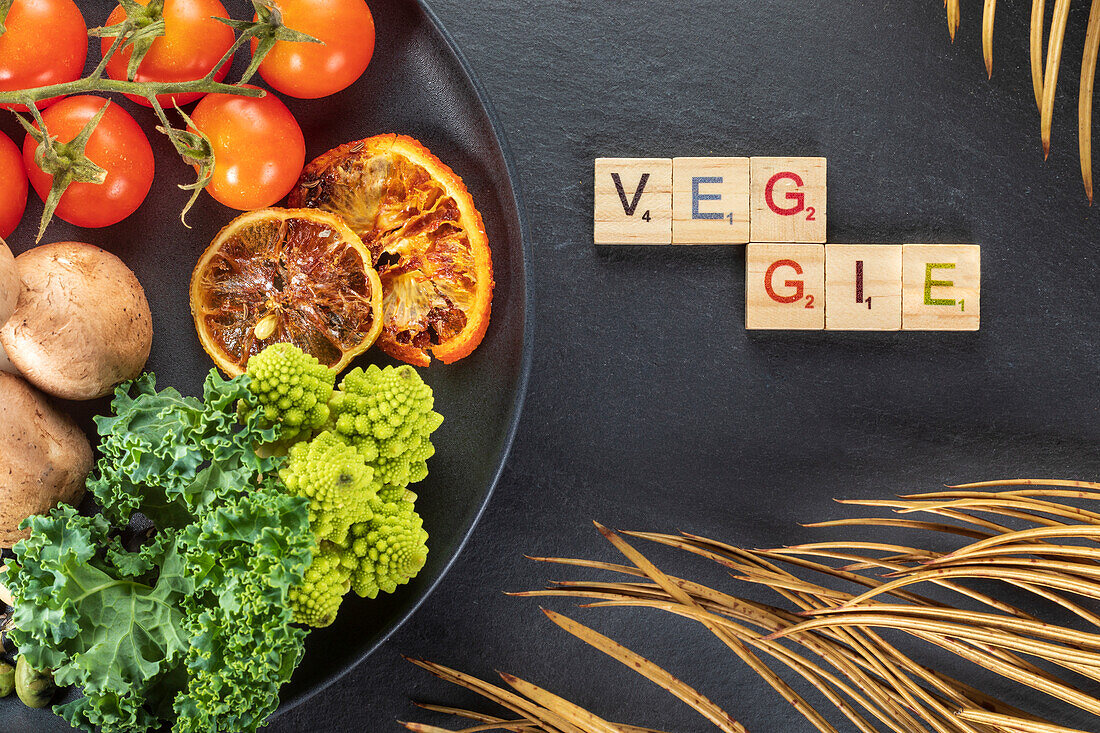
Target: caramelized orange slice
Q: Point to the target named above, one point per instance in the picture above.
(286, 276)
(426, 238)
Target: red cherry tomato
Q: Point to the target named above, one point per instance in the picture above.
(312, 70)
(46, 43)
(193, 42)
(258, 146)
(13, 182)
(117, 145)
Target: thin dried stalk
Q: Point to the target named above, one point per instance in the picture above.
(952, 18)
(1015, 506)
(1037, 18)
(976, 618)
(785, 690)
(1060, 491)
(549, 721)
(699, 702)
(904, 523)
(492, 722)
(1084, 97)
(987, 35)
(501, 723)
(1009, 723)
(948, 513)
(1050, 76)
(578, 716)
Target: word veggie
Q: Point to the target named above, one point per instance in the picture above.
(777, 207)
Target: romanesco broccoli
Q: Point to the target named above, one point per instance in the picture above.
(339, 485)
(293, 389)
(326, 582)
(389, 550)
(375, 441)
(387, 414)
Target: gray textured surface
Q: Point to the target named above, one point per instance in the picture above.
(651, 407)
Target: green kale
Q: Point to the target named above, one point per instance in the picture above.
(194, 628)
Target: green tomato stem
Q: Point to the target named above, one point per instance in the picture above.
(139, 88)
(5, 6)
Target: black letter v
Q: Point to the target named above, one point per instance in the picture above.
(632, 206)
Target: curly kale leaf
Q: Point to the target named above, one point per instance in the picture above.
(156, 443)
(193, 627)
(244, 556)
(77, 615)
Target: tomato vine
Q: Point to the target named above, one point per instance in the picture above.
(143, 24)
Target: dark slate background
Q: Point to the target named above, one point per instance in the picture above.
(651, 407)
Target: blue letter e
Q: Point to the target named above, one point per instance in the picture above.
(696, 197)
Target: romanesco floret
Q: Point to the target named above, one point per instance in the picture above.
(316, 601)
(292, 387)
(389, 550)
(339, 485)
(387, 414)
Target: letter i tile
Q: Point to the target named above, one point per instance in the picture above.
(863, 287)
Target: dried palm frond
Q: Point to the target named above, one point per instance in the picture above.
(1031, 539)
(542, 711)
(1044, 69)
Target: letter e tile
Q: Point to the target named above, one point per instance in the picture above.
(941, 287)
(710, 200)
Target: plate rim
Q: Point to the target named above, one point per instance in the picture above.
(524, 372)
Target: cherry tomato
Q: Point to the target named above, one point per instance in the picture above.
(193, 42)
(117, 145)
(46, 42)
(259, 149)
(311, 70)
(13, 182)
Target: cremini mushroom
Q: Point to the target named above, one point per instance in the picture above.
(82, 324)
(45, 461)
(9, 296)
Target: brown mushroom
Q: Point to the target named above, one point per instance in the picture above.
(9, 296)
(82, 324)
(45, 460)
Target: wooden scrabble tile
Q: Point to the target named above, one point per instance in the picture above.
(785, 286)
(710, 200)
(787, 200)
(941, 287)
(633, 201)
(863, 287)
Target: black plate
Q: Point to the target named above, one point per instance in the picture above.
(418, 84)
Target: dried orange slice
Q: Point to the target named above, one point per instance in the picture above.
(425, 235)
(286, 276)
